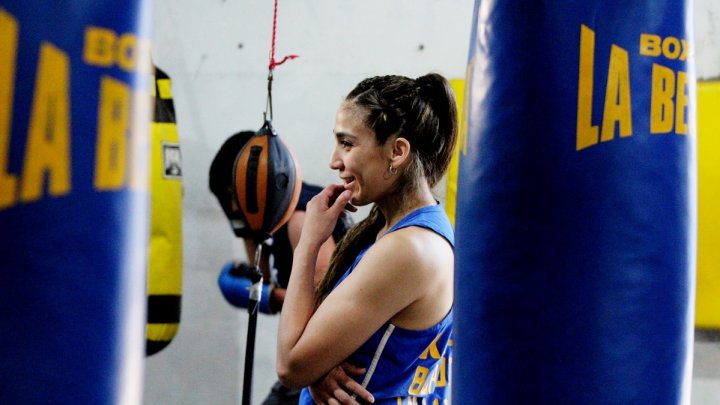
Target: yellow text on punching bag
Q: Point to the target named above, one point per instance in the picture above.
(8, 55)
(668, 96)
(104, 48)
(617, 109)
(669, 101)
(669, 47)
(111, 147)
(48, 143)
(47, 157)
(47, 150)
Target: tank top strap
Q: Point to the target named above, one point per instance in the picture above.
(431, 217)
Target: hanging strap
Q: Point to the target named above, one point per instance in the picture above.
(273, 63)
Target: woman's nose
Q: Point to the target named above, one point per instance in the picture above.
(335, 161)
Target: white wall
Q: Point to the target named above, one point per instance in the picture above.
(707, 39)
(217, 54)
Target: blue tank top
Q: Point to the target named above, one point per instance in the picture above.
(406, 366)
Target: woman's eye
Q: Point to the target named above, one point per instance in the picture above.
(345, 144)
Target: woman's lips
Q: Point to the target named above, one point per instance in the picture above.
(349, 182)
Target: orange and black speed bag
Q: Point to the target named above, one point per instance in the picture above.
(267, 182)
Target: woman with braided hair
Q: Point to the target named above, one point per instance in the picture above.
(385, 304)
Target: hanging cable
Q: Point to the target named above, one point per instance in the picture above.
(253, 181)
(273, 64)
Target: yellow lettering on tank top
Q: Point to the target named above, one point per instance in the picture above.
(432, 349)
(418, 382)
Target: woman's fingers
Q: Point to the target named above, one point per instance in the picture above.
(352, 369)
(337, 387)
(342, 397)
(350, 385)
(332, 192)
(341, 201)
(322, 213)
(357, 389)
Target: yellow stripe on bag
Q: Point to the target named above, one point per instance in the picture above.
(165, 250)
(164, 89)
(707, 311)
(162, 330)
(458, 86)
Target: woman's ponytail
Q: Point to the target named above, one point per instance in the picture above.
(358, 237)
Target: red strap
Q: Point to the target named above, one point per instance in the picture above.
(273, 62)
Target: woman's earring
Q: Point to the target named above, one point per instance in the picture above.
(392, 170)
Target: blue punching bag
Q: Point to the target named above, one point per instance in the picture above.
(576, 205)
(74, 121)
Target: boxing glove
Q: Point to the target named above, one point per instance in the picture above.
(235, 282)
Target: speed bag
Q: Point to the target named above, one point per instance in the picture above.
(164, 284)
(74, 121)
(267, 183)
(576, 206)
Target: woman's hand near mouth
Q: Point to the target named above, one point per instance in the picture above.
(323, 211)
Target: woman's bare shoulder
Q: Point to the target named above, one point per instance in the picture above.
(413, 248)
